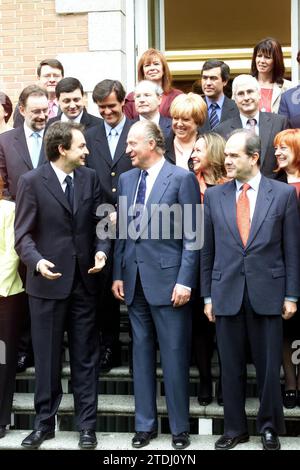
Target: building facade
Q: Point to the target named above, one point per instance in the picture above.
(97, 39)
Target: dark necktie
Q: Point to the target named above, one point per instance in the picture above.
(140, 200)
(213, 118)
(69, 192)
(251, 123)
(243, 213)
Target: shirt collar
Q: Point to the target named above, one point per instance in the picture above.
(155, 169)
(155, 119)
(61, 175)
(65, 118)
(219, 101)
(118, 127)
(254, 182)
(28, 132)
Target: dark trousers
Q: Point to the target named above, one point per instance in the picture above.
(264, 333)
(25, 342)
(48, 320)
(11, 318)
(108, 317)
(173, 330)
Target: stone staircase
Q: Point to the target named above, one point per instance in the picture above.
(116, 413)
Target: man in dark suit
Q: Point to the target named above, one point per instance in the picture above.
(154, 271)
(21, 150)
(49, 72)
(147, 99)
(18, 146)
(214, 78)
(55, 236)
(245, 92)
(70, 96)
(250, 278)
(107, 156)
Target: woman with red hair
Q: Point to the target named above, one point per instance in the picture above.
(287, 152)
(153, 66)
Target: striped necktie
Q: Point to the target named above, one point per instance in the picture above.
(213, 118)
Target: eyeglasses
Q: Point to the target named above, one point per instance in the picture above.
(37, 112)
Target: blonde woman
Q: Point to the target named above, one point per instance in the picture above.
(188, 112)
(207, 162)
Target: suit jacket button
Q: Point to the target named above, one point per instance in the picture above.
(114, 190)
(113, 173)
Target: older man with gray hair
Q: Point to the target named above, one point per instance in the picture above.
(147, 99)
(245, 92)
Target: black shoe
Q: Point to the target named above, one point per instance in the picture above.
(225, 442)
(24, 361)
(181, 441)
(204, 401)
(289, 398)
(2, 430)
(36, 438)
(87, 439)
(269, 439)
(142, 439)
(108, 360)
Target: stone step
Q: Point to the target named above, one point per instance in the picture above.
(123, 405)
(122, 373)
(65, 440)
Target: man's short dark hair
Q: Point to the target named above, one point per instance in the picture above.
(67, 85)
(212, 64)
(103, 89)
(59, 133)
(252, 141)
(31, 90)
(54, 63)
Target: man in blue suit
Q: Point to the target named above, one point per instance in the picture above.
(250, 279)
(154, 271)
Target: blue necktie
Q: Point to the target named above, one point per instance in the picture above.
(213, 118)
(69, 192)
(35, 148)
(113, 142)
(140, 200)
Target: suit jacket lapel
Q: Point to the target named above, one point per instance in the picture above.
(78, 189)
(265, 127)
(263, 202)
(228, 204)
(53, 186)
(101, 142)
(120, 149)
(21, 147)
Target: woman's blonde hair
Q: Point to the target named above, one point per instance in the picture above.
(189, 105)
(215, 145)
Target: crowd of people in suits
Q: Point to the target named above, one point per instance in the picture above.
(154, 147)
